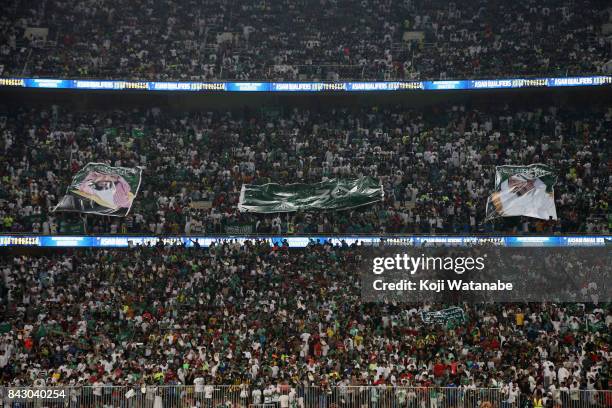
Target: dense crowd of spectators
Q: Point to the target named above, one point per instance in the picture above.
(301, 40)
(437, 166)
(267, 315)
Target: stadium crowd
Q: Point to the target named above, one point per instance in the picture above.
(270, 316)
(296, 40)
(436, 166)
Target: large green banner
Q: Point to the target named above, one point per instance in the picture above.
(101, 189)
(332, 194)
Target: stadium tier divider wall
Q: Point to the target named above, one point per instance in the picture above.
(465, 84)
(293, 241)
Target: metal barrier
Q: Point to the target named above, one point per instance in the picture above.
(245, 396)
(166, 396)
(403, 397)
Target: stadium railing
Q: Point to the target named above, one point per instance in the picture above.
(237, 396)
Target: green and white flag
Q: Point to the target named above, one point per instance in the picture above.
(444, 315)
(112, 132)
(332, 194)
(523, 190)
(137, 132)
(102, 189)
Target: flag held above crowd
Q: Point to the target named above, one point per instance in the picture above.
(98, 188)
(443, 316)
(332, 194)
(523, 191)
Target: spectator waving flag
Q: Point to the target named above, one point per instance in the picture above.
(523, 190)
(101, 189)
